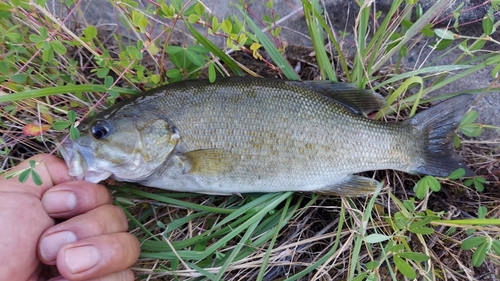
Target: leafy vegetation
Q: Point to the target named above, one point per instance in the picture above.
(54, 72)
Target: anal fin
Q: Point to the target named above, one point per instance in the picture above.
(353, 186)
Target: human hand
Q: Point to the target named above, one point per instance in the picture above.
(92, 243)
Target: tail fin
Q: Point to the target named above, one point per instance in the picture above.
(437, 125)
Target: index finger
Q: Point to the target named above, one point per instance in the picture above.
(51, 169)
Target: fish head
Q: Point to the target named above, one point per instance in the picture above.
(127, 148)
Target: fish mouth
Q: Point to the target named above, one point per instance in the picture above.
(81, 162)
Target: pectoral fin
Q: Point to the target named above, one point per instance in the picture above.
(353, 186)
(208, 161)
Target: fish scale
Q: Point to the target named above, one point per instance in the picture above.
(241, 135)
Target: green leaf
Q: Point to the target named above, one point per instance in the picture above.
(481, 212)
(108, 82)
(421, 189)
(495, 71)
(172, 50)
(421, 230)
(5, 7)
(102, 72)
(478, 185)
(423, 222)
(371, 265)
(71, 116)
(173, 72)
(61, 125)
(456, 141)
(215, 24)
(480, 179)
(418, 257)
(177, 4)
(48, 55)
(36, 177)
(441, 44)
(433, 183)
(46, 45)
(58, 47)
(470, 117)
(35, 38)
(90, 32)
(199, 9)
(468, 182)
(44, 32)
(444, 33)
(427, 30)
(139, 21)
(472, 130)
(73, 133)
(32, 164)
(458, 173)
(360, 277)
(472, 242)
(376, 238)
(488, 27)
(19, 78)
(404, 267)
(23, 177)
(227, 26)
(211, 72)
(197, 49)
(479, 255)
(195, 58)
(495, 245)
(193, 18)
(168, 11)
(114, 94)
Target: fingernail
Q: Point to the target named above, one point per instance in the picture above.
(81, 258)
(59, 202)
(50, 245)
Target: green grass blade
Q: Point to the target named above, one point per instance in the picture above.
(254, 204)
(38, 93)
(431, 69)
(316, 33)
(168, 200)
(328, 30)
(238, 247)
(273, 241)
(415, 29)
(215, 50)
(359, 60)
(271, 49)
(133, 220)
(327, 256)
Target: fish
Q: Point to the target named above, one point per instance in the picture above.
(253, 135)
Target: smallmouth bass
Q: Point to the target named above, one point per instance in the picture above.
(241, 135)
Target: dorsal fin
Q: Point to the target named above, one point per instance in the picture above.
(358, 101)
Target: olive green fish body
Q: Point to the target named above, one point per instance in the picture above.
(244, 135)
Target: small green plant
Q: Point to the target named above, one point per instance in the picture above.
(25, 174)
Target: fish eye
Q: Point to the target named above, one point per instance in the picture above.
(100, 129)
